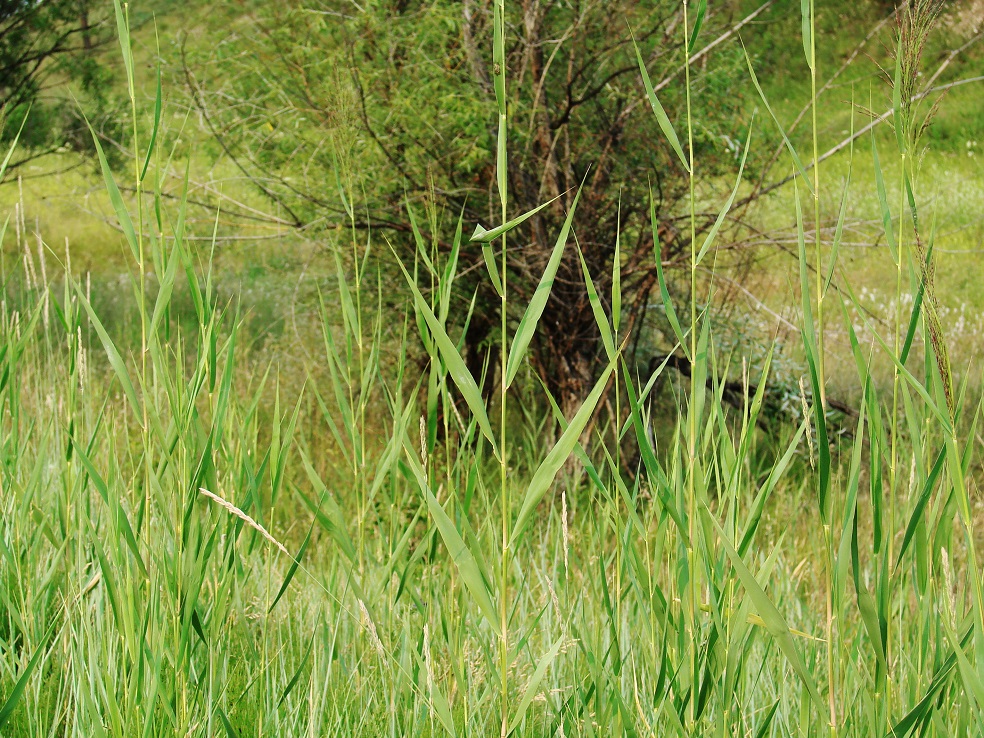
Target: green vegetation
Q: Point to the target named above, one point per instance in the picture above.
(227, 512)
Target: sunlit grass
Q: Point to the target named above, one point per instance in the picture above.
(202, 535)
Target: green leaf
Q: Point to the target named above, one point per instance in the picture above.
(544, 476)
(810, 348)
(295, 562)
(230, 731)
(331, 519)
(115, 360)
(910, 333)
(870, 617)
(789, 146)
(527, 326)
(941, 416)
(661, 119)
(123, 32)
(917, 511)
(764, 727)
(531, 688)
(886, 211)
(484, 236)
(698, 22)
(499, 56)
(599, 312)
(579, 451)
(923, 709)
(158, 104)
(727, 205)
(297, 674)
(806, 21)
(671, 315)
(453, 361)
(839, 230)
(617, 271)
(773, 619)
(461, 556)
(493, 270)
(18, 691)
(126, 223)
(13, 145)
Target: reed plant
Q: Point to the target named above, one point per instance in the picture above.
(189, 547)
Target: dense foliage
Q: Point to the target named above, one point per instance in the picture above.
(43, 45)
(400, 98)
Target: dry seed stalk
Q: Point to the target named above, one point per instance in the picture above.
(245, 518)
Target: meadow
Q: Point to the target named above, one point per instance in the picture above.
(224, 514)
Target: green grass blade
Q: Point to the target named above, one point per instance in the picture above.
(461, 556)
(579, 451)
(599, 312)
(483, 236)
(158, 104)
(123, 33)
(13, 145)
(534, 684)
(730, 201)
(773, 619)
(917, 511)
(527, 326)
(698, 23)
(10, 704)
(452, 360)
(297, 674)
(115, 198)
(806, 23)
(617, 271)
(838, 230)
(754, 516)
(492, 269)
(923, 709)
(812, 361)
(226, 725)
(886, 211)
(664, 292)
(910, 332)
(295, 562)
(661, 118)
(782, 132)
(328, 513)
(115, 360)
(767, 721)
(941, 416)
(544, 476)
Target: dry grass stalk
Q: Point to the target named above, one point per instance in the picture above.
(246, 519)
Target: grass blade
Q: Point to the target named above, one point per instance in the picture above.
(661, 119)
(452, 360)
(782, 132)
(730, 201)
(461, 556)
(541, 671)
(483, 236)
(771, 617)
(527, 326)
(10, 704)
(544, 476)
(126, 223)
(698, 22)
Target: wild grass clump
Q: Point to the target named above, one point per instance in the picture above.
(190, 549)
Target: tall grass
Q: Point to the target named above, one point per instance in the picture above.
(191, 547)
